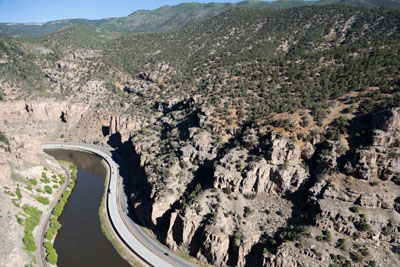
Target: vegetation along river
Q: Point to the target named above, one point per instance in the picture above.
(80, 241)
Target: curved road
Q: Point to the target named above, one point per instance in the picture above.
(130, 233)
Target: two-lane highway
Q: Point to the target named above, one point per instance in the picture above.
(149, 250)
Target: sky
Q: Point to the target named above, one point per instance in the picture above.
(48, 10)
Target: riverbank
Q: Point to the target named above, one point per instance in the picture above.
(45, 220)
(130, 232)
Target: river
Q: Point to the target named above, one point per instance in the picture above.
(80, 241)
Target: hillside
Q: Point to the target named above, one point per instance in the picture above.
(258, 137)
(168, 18)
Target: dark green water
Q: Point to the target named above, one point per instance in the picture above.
(80, 241)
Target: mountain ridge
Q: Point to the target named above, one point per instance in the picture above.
(169, 17)
(259, 137)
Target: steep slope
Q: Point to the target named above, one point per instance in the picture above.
(257, 137)
(170, 17)
(255, 113)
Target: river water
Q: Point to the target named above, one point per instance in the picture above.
(80, 241)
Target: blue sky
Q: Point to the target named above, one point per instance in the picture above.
(47, 10)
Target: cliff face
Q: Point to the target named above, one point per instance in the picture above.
(24, 125)
(258, 137)
(287, 204)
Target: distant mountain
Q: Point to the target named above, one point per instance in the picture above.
(168, 18)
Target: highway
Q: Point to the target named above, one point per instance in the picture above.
(149, 250)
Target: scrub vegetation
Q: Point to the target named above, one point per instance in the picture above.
(55, 225)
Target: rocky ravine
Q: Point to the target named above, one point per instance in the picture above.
(234, 165)
(258, 198)
(265, 198)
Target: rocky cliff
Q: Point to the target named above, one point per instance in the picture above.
(255, 138)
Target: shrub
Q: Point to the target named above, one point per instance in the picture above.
(62, 179)
(48, 244)
(30, 223)
(355, 256)
(373, 183)
(227, 190)
(341, 244)
(33, 181)
(52, 256)
(327, 236)
(249, 196)
(362, 225)
(3, 138)
(49, 235)
(354, 209)
(247, 211)
(29, 242)
(356, 235)
(58, 209)
(71, 184)
(43, 200)
(48, 189)
(74, 171)
(18, 193)
(45, 180)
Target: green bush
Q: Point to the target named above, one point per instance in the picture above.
(66, 194)
(33, 181)
(29, 242)
(362, 225)
(3, 138)
(54, 223)
(62, 179)
(49, 235)
(52, 256)
(341, 244)
(247, 211)
(48, 244)
(43, 200)
(58, 209)
(74, 172)
(18, 193)
(354, 209)
(327, 236)
(32, 220)
(45, 180)
(48, 189)
(72, 184)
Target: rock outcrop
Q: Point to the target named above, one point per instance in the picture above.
(281, 171)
